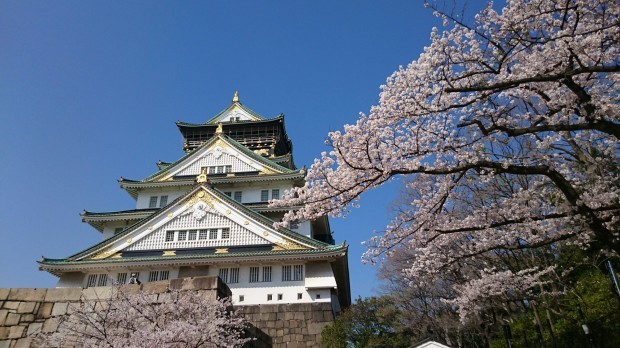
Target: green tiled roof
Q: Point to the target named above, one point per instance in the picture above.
(232, 105)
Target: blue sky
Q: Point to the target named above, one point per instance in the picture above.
(90, 91)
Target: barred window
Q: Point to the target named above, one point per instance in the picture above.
(153, 276)
(298, 272)
(103, 280)
(224, 274)
(121, 278)
(269, 297)
(192, 235)
(225, 233)
(254, 274)
(238, 196)
(234, 275)
(153, 202)
(163, 201)
(286, 273)
(163, 275)
(228, 194)
(267, 273)
(264, 195)
(275, 194)
(182, 236)
(203, 234)
(169, 236)
(92, 280)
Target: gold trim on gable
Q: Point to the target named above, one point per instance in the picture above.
(221, 251)
(169, 253)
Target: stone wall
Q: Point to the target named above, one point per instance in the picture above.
(25, 312)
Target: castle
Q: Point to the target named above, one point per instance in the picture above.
(207, 214)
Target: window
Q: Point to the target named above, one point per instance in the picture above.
(275, 194)
(241, 298)
(294, 225)
(228, 194)
(269, 297)
(267, 273)
(163, 201)
(203, 234)
(298, 272)
(299, 296)
(264, 195)
(253, 274)
(193, 234)
(225, 233)
(153, 202)
(182, 236)
(103, 280)
(92, 280)
(279, 297)
(318, 296)
(153, 276)
(295, 272)
(121, 278)
(234, 275)
(224, 274)
(213, 233)
(163, 275)
(219, 169)
(118, 230)
(169, 236)
(238, 196)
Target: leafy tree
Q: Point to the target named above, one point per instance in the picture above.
(507, 131)
(176, 319)
(367, 323)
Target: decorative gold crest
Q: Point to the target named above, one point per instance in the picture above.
(288, 245)
(221, 251)
(169, 253)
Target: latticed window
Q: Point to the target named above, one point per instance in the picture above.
(275, 194)
(264, 195)
(182, 236)
(234, 275)
(153, 202)
(224, 274)
(193, 234)
(121, 278)
(163, 201)
(267, 273)
(163, 275)
(254, 274)
(169, 236)
(213, 233)
(203, 234)
(225, 233)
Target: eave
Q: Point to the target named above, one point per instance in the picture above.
(98, 220)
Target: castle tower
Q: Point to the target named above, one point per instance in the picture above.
(207, 214)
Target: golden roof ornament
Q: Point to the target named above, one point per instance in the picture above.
(202, 177)
(236, 97)
(219, 129)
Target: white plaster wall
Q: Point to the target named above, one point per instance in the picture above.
(173, 193)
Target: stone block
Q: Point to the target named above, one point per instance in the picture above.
(131, 289)
(16, 331)
(11, 305)
(63, 294)
(3, 314)
(12, 319)
(23, 343)
(50, 325)
(98, 293)
(25, 294)
(4, 293)
(315, 328)
(26, 307)
(196, 283)
(4, 332)
(45, 310)
(34, 328)
(60, 308)
(299, 316)
(26, 318)
(155, 287)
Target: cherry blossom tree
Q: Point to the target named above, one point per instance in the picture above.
(175, 319)
(506, 130)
